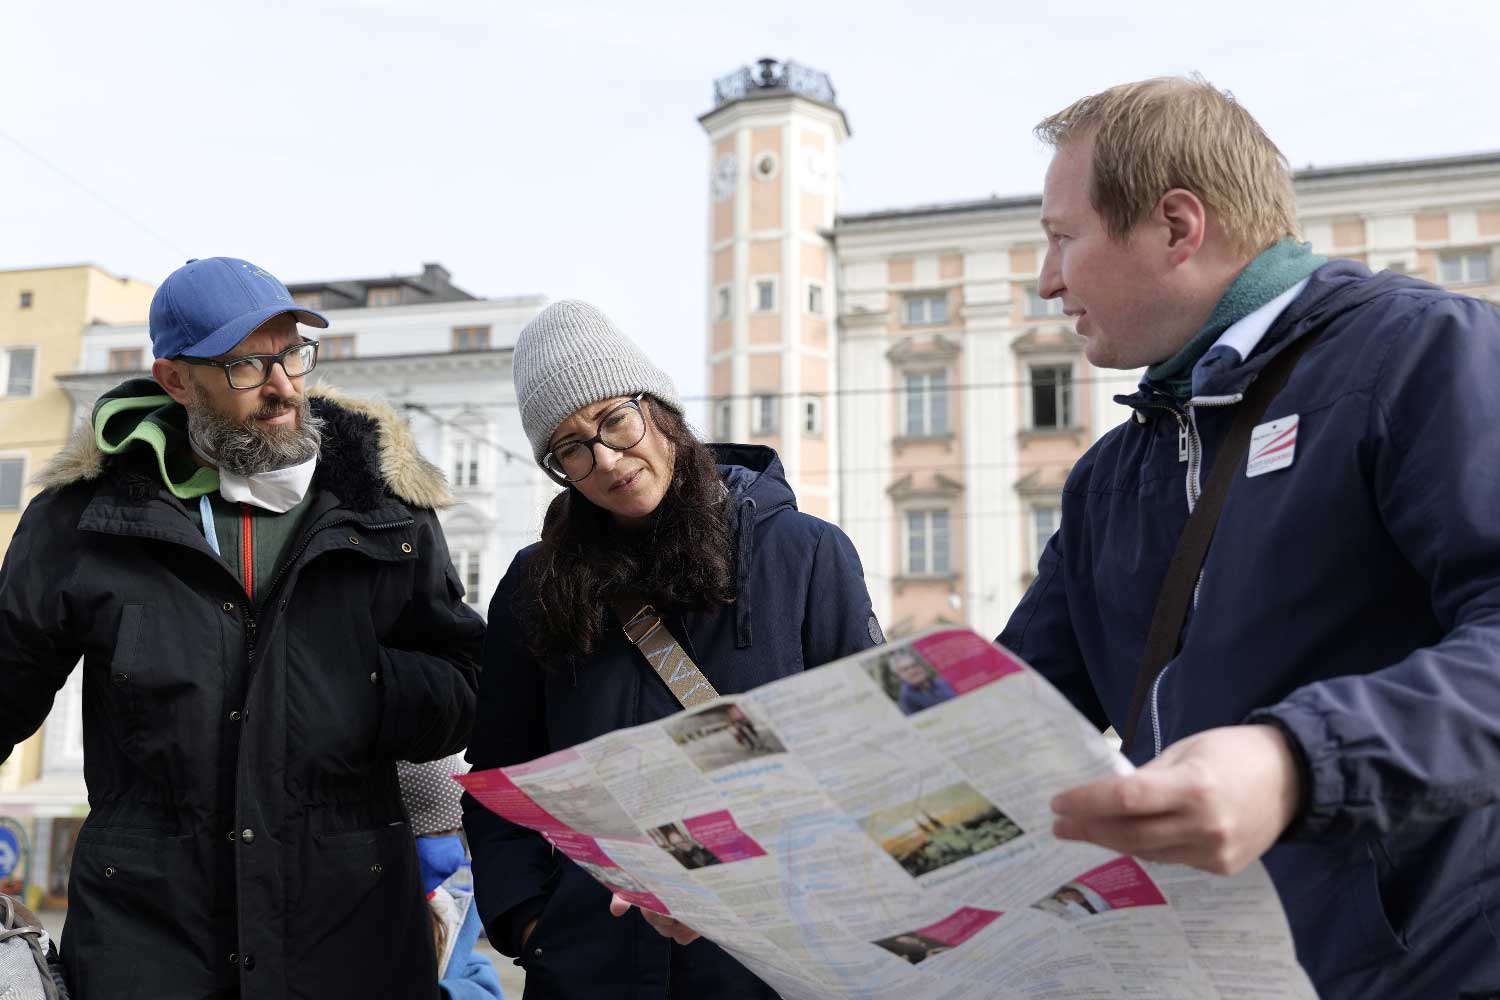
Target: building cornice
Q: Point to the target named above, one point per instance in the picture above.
(1311, 178)
(332, 369)
(762, 102)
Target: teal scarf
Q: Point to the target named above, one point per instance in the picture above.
(1273, 271)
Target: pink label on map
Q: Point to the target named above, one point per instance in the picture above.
(965, 660)
(1123, 883)
(961, 926)
(501, 796)
(547, 763)
(724, 840)
(580, 847)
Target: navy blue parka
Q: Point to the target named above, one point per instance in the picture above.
(1351, 598)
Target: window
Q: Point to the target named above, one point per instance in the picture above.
(723, 419)
(812, 415)
(765, 295)
(927, 543)
(471, 338)
(927, 309)
(1051, 396)
(763, 415)
(388, 295)
(1044, 523)
(1471, 267)
(815, 298)
(25, 300)
(466, 562)
(465, 459)
(331, 347)
(18, 370)
(125, 359)
(11, 476)
(308, 300)
(926, 404)
(1038, 306)
(723, 301)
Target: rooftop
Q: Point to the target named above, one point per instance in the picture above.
(772, 74)
(776, 78)
(1309, 173)
(432, 284)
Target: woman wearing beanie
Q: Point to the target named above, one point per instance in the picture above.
(651, 523)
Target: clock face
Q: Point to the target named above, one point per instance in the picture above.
(725, 173)
(816, 167)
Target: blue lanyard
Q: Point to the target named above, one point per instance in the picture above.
(206, 512)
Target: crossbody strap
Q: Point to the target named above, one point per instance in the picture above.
(643, 626)
(1181, 581)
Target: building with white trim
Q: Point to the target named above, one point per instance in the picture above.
(921, 394)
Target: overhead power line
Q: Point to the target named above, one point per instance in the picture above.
(475, 435)
(101, 199)
(871, 391)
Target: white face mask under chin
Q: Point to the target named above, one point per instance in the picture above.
(277, 491)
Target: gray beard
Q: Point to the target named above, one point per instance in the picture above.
(246, 450)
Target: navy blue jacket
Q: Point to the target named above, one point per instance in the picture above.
(801, 602)
(1352, 598)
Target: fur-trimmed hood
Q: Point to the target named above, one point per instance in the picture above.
(368, 451)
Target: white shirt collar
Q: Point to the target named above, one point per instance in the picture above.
(277, 491)
(1245, 335)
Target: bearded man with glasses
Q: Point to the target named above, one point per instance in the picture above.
(255, 580)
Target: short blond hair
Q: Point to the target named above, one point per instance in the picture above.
(1180, 132)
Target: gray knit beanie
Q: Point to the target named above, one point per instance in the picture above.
(571, 355)
(431, 795)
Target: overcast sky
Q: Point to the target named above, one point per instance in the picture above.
(554, 147)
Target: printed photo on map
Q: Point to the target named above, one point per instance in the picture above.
(940, 828)
(913, 947)
(721, 736)
(909, 680)
(677, 842)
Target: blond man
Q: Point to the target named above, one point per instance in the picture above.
(1328, 698)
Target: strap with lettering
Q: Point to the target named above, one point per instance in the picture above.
(672, 664)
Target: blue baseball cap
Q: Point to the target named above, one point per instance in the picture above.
(207, 306)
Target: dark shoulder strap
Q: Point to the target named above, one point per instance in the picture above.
(644, 627)
(1192, 546)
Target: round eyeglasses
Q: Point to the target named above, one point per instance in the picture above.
(619, 430)
(253, 370)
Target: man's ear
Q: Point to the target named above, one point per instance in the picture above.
(172, 376)
(1185, 220)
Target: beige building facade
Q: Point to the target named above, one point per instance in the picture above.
(43, 313)
(953, 399)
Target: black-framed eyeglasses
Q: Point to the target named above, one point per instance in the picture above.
(619, 430)
(253, 370)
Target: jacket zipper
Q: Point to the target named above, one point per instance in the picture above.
(251, 621)
(1194, 489)
(247, 550)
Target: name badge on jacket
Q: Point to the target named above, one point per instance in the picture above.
(1272, 446)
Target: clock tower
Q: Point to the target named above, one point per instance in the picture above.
(774, 135)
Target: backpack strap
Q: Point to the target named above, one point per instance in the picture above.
(17, 922)
(1177, 589)
(643, 626)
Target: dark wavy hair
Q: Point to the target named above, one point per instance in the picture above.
(681, 562)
